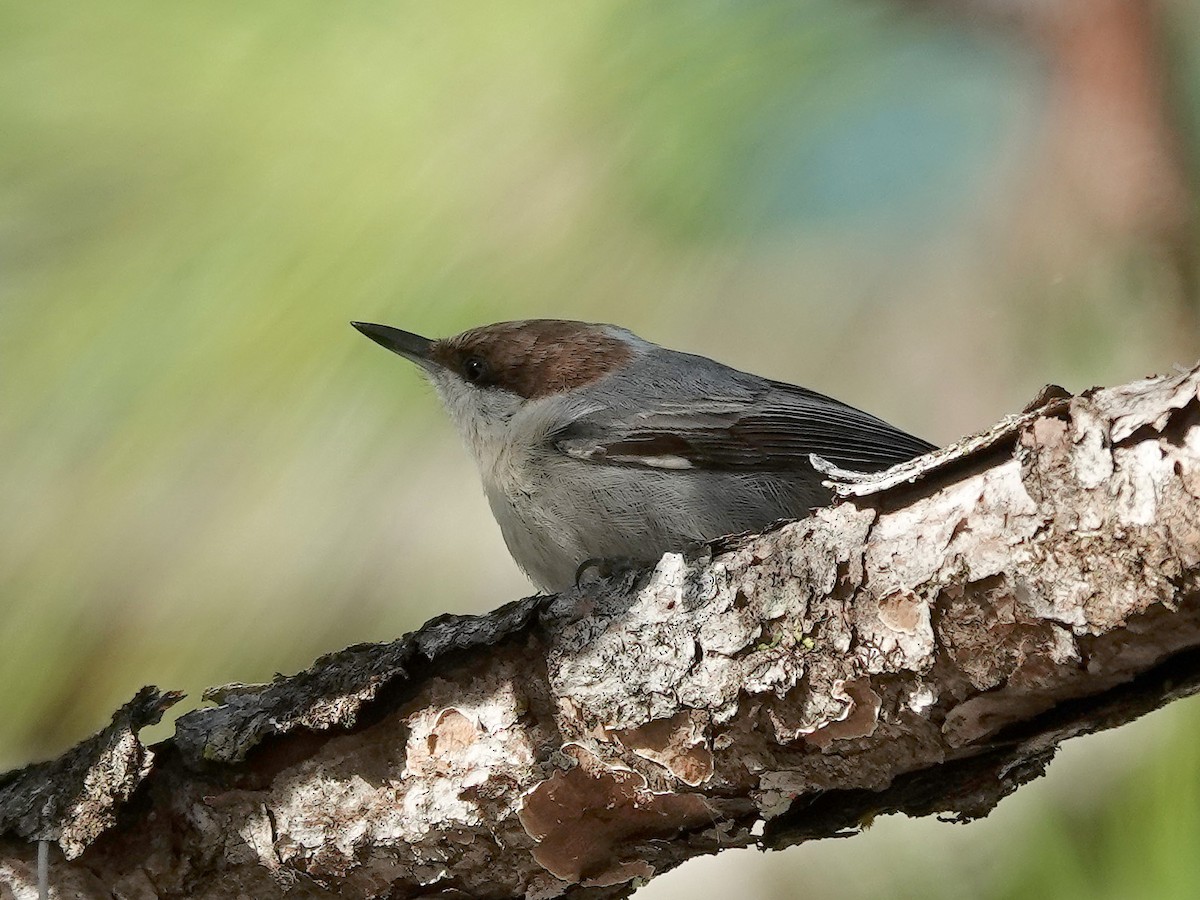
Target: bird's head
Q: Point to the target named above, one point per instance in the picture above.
(489, 376)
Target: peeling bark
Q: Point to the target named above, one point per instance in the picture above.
(922, 646)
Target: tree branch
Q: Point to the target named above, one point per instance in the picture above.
(922, 646)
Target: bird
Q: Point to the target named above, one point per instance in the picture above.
(594, 444)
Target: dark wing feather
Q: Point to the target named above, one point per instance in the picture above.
(775, 431)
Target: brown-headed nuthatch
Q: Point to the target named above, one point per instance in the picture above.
(594, 444)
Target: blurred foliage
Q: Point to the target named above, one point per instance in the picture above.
(1141, 846)
(207, 476)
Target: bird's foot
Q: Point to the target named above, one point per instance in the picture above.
(606, 569)
(699, 551)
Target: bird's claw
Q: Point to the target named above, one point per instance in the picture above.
(607, 568)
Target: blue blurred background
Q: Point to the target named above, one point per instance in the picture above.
(928, 209)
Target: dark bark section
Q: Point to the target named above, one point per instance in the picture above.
(923, 647)
(74, 799)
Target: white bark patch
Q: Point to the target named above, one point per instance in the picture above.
(1140, 472)
(324, 812)
(685, 631)
(898, 636)
(1183, 461)
(1092, 459)
(1128, 410)
(921, 699)
(1004, 520)
(928, 526)
(256, 831)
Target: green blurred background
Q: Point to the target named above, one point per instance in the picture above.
(928, 209)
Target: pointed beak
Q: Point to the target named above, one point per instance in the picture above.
(410, 346)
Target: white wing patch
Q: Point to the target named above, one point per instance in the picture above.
(656, 462)
(593, 453)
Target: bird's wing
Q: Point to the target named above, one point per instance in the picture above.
(776, 430)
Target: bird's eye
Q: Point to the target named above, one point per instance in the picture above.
(474, 369)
